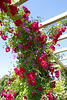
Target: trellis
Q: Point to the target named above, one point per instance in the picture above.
(49, 22)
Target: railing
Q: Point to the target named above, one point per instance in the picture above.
(49, 22)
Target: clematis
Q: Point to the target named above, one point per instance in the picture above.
(19, 35)
(36, 73)
(37, 50)
(34, 64)
(20, 46)
(41, 46)
(22, 25)
(29, 38)
(25, 61)
(27, 30)
(37, 39)
(50, 36)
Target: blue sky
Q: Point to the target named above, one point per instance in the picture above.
(44, 8)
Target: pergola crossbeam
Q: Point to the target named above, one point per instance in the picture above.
(59, 62)
(20, 2)
(65, 64)
(16, 4)
(60, 38)
(53, 20)
(15, 16)
(60, 50)
(64, 58)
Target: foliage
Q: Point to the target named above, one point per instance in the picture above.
(34, 75)
(3, 83)
(64, 81)
(59, 90)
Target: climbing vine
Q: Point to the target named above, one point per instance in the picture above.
(34, 75)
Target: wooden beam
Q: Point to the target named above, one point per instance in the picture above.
(60, 50)
(20, 2)
(53, 20)
(58, 62)
(12, 17)
(61, 38)
(65, 64)
(64, 58)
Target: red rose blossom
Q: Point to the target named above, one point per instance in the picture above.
(25, 97)
(13, 9)
(34, 26)
(18, 22)
(52, 47)
(7, 49)
(40, 88)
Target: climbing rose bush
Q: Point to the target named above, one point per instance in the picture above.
(34, 75)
